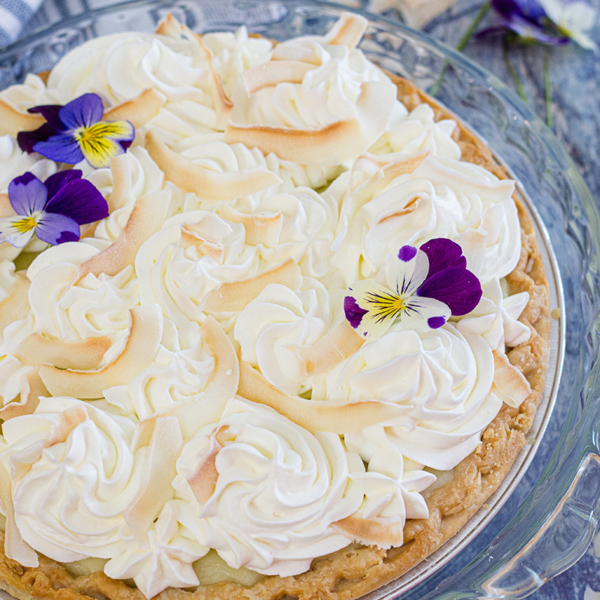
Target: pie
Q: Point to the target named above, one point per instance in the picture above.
(274, 324)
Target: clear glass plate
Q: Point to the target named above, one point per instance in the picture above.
(543, 517)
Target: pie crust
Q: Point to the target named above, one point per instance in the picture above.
(357, 570)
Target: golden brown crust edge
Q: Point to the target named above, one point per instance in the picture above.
(354, 571)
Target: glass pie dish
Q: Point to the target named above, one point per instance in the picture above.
(541, 519)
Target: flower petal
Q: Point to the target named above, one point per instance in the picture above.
(80, 201)
(62, 147)
(528, 9)
(376, 305)
(458, 288)
(60, 179)
(422, 314)
(101, 142)
(82, 112)
(443, 254)
(27, 194)
(354, 313)
(406, 272)
(50, 112)
(17, 230)
(57, 229)
(28, 139)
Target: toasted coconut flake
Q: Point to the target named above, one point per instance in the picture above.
(207, 184)
(371, 532)
(273, 72)
(139, 351)
(36, 349)
(15, 547)
(16, 305)
(330, 145)
(348, 31)
(121, 175)
(139, 110)
(206, 408)
(222, 104)
(509, 383)
(260, 229)
(338, 344)
(66, 422)
(146, 219)
(410, 207)
(191, 235)
(169, 27)
(289, 52)
(234, 297)
(159, 470)
(12, 121)
(204, 479)
(322, 415)
(32, 388)
(6, 209)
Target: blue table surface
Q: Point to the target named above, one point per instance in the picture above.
(575, 76)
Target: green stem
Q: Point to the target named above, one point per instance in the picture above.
(548, 87)
(512, 72)
(464, 40)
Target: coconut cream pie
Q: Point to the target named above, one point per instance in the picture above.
(272, 323)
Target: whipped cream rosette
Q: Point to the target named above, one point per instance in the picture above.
(276, 325)
(416, 131)
(97, 306)
(399, 199)
(72, 475)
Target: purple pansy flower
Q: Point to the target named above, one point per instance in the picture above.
(424, 287)
(52, 210)
(76, 131)
(527, 19)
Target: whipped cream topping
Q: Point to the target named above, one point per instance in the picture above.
(73, 474)
(276, 324)
(495, 318)
(177, 276)
(441, 198)
(418, 130)
(327, 93)
(96, 306)
(240, 201)
(442, 378)
(164, 561)
(285, 485)
(177, 373)
(118, 67)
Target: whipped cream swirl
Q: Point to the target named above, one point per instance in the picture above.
(177, 276)
(276, 324)
(177, 373)
(96, 306)
(442, 378)
(440, 198)
(73, 474)
(285, 486)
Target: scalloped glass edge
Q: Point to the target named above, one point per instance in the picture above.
(559, 514)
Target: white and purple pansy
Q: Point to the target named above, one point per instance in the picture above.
(52, 210)
(424, 287)
(76, 131)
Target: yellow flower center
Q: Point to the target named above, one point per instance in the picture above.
(26, 224)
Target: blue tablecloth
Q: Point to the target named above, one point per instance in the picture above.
(575, 76)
